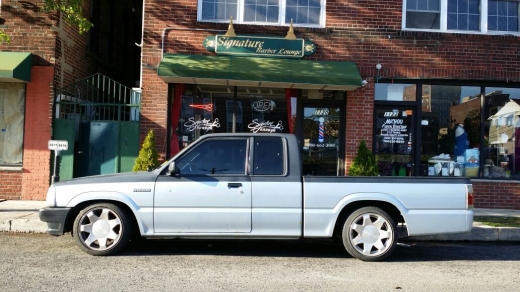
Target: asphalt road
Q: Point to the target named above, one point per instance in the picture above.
(32, 262)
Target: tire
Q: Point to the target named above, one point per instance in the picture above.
(102, 229)
(369, 234)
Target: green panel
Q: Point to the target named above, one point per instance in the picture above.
(103, 144)
(259, 46)
(15, 65)
(128, 145)
(260, 69)
(64, 130)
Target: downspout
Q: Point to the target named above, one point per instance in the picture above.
(141, 46)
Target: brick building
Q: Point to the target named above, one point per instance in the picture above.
(44, 55)
(350, 69)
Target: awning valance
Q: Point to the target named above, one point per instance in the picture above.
(259, 72)
(15, 67)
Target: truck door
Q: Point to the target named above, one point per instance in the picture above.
(211, 192)
(277, 188)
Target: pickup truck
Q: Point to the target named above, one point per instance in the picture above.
(251, 186)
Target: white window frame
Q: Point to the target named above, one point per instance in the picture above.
(444, 21)
(281, 16)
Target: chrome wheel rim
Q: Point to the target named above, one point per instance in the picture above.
(100, 229)
(371, 234)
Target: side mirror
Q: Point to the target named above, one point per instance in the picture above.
(171, 169)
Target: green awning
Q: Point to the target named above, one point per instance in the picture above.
(259, 72)
(15, 67)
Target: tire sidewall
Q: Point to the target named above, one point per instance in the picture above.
(126, 230)
(349, 246)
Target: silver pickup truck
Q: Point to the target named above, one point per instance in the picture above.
(251, 186)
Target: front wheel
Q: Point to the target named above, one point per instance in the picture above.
(369, 234)
(102, 229)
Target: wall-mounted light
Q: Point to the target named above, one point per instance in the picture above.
(378, 67)
(364, 83)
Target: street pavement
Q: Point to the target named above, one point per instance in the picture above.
(22, 217)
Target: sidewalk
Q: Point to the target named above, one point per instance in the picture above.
(22, 216)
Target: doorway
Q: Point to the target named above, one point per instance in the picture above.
(394, 139)
(321, 137)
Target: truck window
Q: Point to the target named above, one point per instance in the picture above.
(268, 158)
(215, 157)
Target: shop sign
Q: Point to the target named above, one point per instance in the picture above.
(395, 129)
(265, 126)
(263, 105)
(203, 124)
(276, 47)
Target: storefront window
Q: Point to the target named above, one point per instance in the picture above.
(501, 152)
(12, 109)
(395, 92)
(214, 109)
(450, 130)
(394, 146)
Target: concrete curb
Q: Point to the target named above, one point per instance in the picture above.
(477, 234)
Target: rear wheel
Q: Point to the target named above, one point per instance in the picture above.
(102, 229)
(369, 234)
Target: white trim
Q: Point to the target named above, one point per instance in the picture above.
(239, 19)
(444, 21)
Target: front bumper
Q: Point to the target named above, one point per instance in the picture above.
(55, 218)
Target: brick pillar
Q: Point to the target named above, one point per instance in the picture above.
(37, 133)
(360, 115)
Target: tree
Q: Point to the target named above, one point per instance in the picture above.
(71, 12)
(148, 157)
(364, 163)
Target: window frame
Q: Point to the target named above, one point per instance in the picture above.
(281, 16)
(444, 21)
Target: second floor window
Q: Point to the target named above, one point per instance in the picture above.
(267, 12)
(475, 16)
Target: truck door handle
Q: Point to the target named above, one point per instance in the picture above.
(234, 185)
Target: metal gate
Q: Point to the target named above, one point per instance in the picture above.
(99, 118)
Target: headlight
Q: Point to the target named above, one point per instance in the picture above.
(50, 201)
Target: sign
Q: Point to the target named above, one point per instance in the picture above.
(277, 47)
(396, 128)
(59, 145)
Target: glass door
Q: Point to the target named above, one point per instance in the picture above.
(321, 140)
(394, 144)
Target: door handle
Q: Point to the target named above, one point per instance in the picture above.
(234, 185)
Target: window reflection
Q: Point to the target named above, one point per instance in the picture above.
(450, 130)
(395, 92)
(501, 130)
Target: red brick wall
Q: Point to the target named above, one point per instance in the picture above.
(496, 194)
(11, 186)
(360, 108)
(364, 32)
(37, 132)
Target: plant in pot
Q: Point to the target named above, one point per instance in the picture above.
(365, 162)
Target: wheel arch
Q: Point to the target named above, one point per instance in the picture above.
(388, 207)
(74, 211)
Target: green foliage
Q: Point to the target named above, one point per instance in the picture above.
(72, 12)
(364, 163)
(148, 157)
(4, 38)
